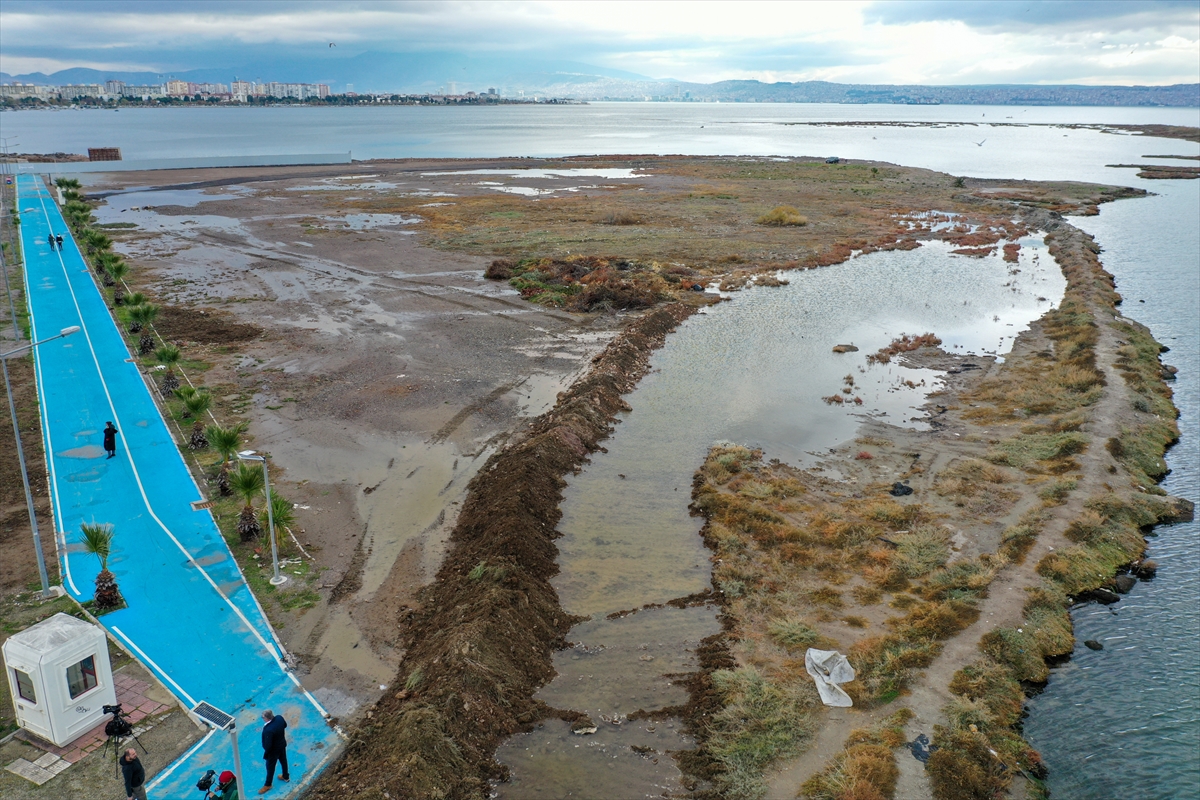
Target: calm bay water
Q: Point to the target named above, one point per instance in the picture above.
(1124, 722)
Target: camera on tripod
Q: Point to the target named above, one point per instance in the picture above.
(118, 727)
(206, 782)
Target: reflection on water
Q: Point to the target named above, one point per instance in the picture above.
(752, 370)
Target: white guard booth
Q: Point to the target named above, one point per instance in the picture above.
(60, 677)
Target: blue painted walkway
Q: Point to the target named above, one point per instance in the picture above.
(191, 619)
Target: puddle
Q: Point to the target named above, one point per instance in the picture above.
(353, 653)
(85, 451)
(610, 174)
(364, 222)
(337, 185)
(753, 371)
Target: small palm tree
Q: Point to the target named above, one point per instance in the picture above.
(95, 241)
(225, 441)
(143, 316)
(169, 355)
(117, 270)
(196, 405)
(67, 183)
(247, 482)
(282, 513)
(134, 299)
(97, 541)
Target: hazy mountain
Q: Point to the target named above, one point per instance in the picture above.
(439, 71)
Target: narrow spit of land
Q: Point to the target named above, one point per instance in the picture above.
(339, 314)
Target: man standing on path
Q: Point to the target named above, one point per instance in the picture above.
(134, 774)
(110, 439)
(274, 744)
(58, 241)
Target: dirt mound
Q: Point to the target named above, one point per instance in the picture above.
(177, 323)
(483, 638)
(592, 283)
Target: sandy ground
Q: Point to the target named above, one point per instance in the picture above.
(378, 374)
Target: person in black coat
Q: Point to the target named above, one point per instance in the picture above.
(58, 241)
(274, 744)
(134, 774)
(110, 439)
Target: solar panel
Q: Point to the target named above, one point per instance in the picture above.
(213, 716)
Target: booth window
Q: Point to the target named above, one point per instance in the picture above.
(25, 686)
(81, 677)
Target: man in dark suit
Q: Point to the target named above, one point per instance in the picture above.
(274, 744)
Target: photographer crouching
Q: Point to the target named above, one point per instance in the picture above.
(227, 788)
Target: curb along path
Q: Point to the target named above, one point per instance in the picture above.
(191, 619)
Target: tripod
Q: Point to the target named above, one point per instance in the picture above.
(119, 729)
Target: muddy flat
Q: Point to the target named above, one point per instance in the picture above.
(427, 349)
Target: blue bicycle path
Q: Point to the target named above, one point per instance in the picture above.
(190, 617)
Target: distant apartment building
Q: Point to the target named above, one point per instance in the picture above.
(77, 90)
(114, 88)
(143, 92)
(298, 91)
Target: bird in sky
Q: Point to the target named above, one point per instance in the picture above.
(980, 144)
(332, 44)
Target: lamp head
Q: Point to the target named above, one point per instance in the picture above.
(69, 330)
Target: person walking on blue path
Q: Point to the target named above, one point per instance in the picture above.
(58, 241)
(274, 744)
(50, 239)
(110, 439)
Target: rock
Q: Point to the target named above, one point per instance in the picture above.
(1125, 583)
(1169, 372)
(588, 731)
(1146, 569)
(1178, 510)
(1105, 596)
(845, 348)
(900, 490)
(697, 287)
(1092, 644)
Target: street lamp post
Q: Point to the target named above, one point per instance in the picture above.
(276, 578)
(12, 408)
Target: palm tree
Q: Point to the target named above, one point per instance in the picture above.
(225, 441)
(197, 404)
(95, 241)
(168, 355)
(67, 183)
(141, 316)
(97, 541)
(282, 512)
(118, 270)
(247, 482)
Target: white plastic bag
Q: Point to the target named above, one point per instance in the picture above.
(829, 668)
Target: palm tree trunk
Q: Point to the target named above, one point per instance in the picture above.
(198, 441)
(248, 525)
(108, 596)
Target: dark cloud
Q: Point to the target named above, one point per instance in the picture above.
(1035, 13)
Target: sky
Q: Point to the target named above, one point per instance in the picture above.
(1097, 42)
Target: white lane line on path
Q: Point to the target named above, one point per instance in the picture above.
(137, 476)
(150, 661)
(60, 534)
(133, 465)
(162, 776)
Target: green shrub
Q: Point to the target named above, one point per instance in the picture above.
(782, 216)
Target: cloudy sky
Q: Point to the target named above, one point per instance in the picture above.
(934, 42)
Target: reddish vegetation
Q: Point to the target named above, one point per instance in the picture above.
(904, 344)
(974, 252)
(482, 640)
(863, 455)
(1012, 252)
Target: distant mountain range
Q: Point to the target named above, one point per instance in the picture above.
(445, 72)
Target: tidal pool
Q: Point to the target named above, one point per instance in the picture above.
(754, 371)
